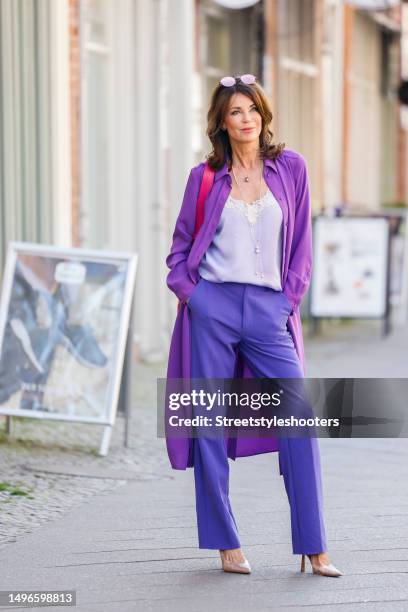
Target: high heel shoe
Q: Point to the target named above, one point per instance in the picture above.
(321, 570)
(235, 567)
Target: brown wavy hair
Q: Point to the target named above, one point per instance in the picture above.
(221, 151)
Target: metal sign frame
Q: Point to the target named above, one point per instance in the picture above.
(36, 322)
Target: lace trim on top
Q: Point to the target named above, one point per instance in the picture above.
(251, 211)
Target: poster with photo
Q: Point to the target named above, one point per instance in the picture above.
(64, 318)
(350, 267)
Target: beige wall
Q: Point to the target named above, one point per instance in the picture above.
(363, 164)
(297, 83)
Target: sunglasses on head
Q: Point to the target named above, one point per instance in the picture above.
(229, 81)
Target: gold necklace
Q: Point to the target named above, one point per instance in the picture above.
(254, 231)
(245, 178)
(260, 182)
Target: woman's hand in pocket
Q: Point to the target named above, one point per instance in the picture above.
(188, 301)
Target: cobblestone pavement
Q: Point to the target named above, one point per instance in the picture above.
(37, 448)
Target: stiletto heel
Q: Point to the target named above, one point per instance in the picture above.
(234, 567)
(321, 569)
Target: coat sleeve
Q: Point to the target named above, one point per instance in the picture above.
(300, 259)
(178, 279)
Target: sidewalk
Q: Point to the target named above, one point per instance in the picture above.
(135, 548)
(132, 545)
(352, 350)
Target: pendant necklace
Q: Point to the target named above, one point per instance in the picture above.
(252, 220)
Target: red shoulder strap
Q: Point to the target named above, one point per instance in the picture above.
(205, 188)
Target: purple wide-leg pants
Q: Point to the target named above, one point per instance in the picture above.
(224, 317)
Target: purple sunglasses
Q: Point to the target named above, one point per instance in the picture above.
(229, 81)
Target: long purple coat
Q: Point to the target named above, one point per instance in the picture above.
(287, 178)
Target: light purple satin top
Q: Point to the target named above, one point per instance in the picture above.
(247, 244)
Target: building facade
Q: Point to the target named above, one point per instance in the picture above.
(104, 111)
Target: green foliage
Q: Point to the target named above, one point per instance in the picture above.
(396, 204)
(12, 489)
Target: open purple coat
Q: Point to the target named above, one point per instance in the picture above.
(287, 178)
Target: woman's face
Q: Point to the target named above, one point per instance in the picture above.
(242, 120)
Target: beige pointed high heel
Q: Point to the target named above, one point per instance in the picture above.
(234, 567)
(321, 570)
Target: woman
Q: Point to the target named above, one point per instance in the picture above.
(240, 283)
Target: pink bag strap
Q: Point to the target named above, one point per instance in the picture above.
(205, 188)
